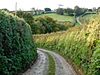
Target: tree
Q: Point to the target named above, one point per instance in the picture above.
(47, 9)
(98, 10)
(28, 17)
(94, 9)
(90, 10)
(60, 11)
(79, 11)
(20, 13)
(33, 11)
(5, 9)
(69, 11)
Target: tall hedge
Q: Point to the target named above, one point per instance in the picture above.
(17, 49)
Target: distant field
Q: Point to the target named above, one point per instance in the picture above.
(89, 16)
(86, 18)
(57, 17)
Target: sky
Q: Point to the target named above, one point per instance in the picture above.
(41, 4)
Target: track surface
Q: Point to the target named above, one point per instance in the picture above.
(78, 20)
(42, 63)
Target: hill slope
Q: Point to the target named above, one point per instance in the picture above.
(57, 17)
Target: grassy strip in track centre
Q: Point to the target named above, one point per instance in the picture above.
(52, 68)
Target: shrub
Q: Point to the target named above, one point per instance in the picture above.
(44, 24)
(17, 49)
(27, 16)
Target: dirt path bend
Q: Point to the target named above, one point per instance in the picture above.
(78, 20)
(41, 65)
(62, 67)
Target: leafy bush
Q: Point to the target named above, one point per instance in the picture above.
(46, 24)
(27, 16)
(17, 49)
(96, 59)
(79, 44)
(43, 25)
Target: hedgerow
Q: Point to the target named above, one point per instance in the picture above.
(79, 44)
(44, 24)
(17, 49)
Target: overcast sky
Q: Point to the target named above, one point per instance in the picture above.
(41, 4)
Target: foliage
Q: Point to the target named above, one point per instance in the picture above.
(48, 25)
(17, 49)
(42, 25)
(5, 9)
(79, 11)
(69, 11)
(47, 9)
(96, 59)
(28, 17)
(60, 11)
(81, 44)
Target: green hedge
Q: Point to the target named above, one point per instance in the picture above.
(17, 49)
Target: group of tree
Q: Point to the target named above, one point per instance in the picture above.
(77, 11)
(71, 12)
(35, 11)
(43, 25)
(39, 11)
(46, 24)
(47, 9)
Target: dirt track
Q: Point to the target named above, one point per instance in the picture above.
(42, 63)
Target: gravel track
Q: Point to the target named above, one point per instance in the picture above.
(42, 64)
(62, 67)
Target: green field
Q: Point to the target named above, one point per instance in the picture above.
(87, 18)
(57, 17)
